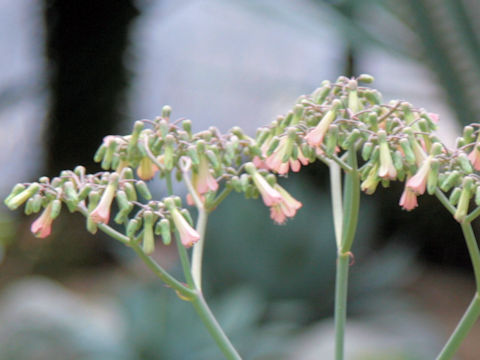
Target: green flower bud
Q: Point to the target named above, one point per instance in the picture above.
(164, 230)
(466, 194)
(465, 163)
(71, 196)
(321, 94)
(468, 134)
(187, 126)
(187, 216)
(367, 150)
(166, 112)
(373, 96)
(148, 243)
(365, 78)
(132, 227)
(450, 181)
(100, 153)
(93, 200)
(143, 190)
(37, 203)
(14, 202)
(373, 121)
(433, 179)
(193, 155)
(235, 182)
(56, 209)
(407, 150)
(130, 191)
(351, 139)
(477, 196)
(17, 189)
(455, 196)
(331, 139)
(169, 153)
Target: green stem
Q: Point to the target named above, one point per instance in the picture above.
(223, 194)
(443, 199)
(152, 264)
(351, 203)
(214, 327)
(473, 311)
(162, 274)
(462, 329)
(351, 206)
(337, 208)
(473, 251)
(182, 253)
(197, 254)
(341, 290)
(168, 179)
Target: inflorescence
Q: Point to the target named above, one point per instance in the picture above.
(396, 142)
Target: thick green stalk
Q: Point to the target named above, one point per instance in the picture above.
(214, 327)
(341, 291)
(351, 206)
(473, 311)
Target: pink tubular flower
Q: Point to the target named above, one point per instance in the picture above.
(188, 235)
(101, 214)
(286, 208)
(474, 157)
(270, 196)
(204, 181)
(315, 136)
(418, 182)
(146, 169)
(42, 227)
(408, 200)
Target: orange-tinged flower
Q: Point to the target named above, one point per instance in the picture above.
(408, 200)
(146, 169)
(275, 161)
(42, 227)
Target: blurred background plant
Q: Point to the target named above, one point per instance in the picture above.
(74, 72)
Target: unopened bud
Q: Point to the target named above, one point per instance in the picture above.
(142, 189)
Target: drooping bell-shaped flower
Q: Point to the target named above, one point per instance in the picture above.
(418, 182)
(387, 169)
(188, 235)
(101, 214)
(315, 136)
(408, 200)
(286, 208)
(270, 196)
(204, 180)
(146, 169)
(369, 185)
(42, 227)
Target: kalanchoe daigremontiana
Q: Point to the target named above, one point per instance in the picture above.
(396, 142)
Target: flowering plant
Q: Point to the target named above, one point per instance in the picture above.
(342, 124)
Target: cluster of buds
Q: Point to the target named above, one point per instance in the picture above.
(396, 142)
(95, 195)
